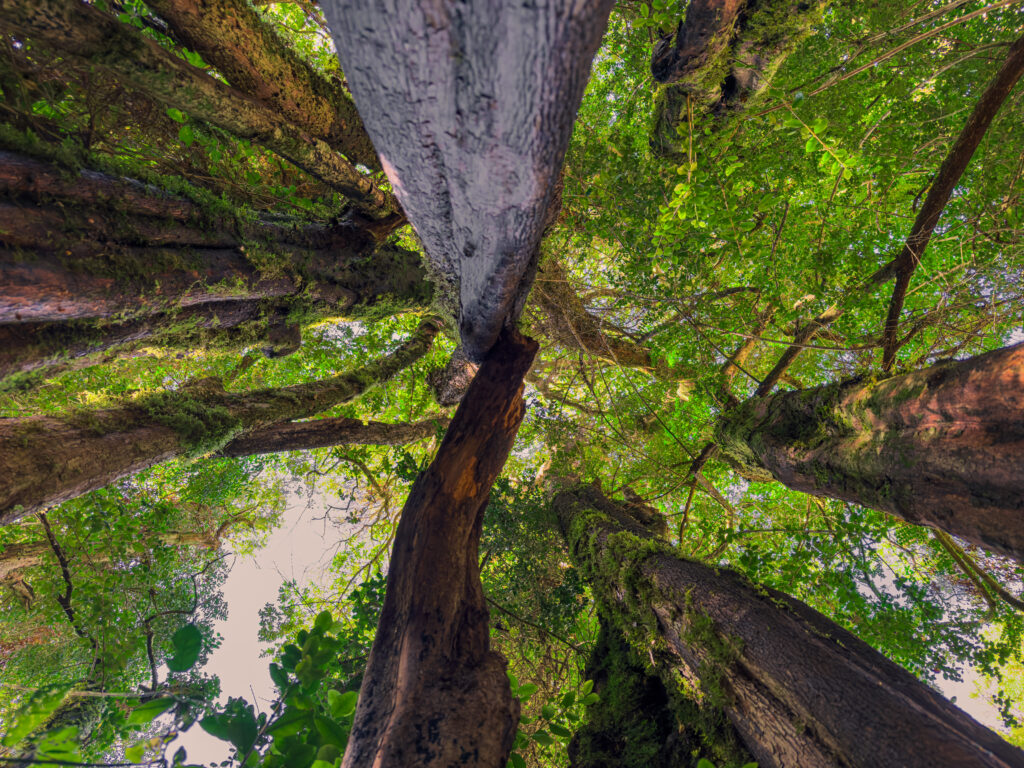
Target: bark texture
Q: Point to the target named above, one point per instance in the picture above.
(434, 694)
(86, 37)
(471, 106)
(801, 691)
(323, 433)
(942, 447)
(46, 460)
(231, 36)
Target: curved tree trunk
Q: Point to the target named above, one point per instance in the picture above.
(46, 460)
(434, 694)
(942, 447)
(471, 106)
(801, 691)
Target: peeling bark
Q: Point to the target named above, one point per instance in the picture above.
(801, 691)
(46, 460)
(471, 106)
(434, 694)
(232, 37)
(942, 447)
(85, 36)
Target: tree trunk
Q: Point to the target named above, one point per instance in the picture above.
(82, 35)
(323, 433)
(434, 694)
(942, 447)
(45, 460)
(800, 690)
(231, 36)
(94, 253)
(471, 106)
(722, 56)
(638, 722)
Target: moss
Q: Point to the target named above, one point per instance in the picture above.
(203, 424)
(614, 566)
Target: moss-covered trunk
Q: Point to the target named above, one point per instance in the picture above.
(800, 690)
(943, 446)
(46, 460)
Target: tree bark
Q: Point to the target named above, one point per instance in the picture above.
(46, 460)
(324, 433)
(942, 447)
(723, 55)
(434, 694)
(85, 36)
(471, 106)
(800, 690)
(231, 36)
(101, 246)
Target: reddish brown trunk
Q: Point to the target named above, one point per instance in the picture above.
(942, 447)
(801, 691)
(434, 693)
(106, 249)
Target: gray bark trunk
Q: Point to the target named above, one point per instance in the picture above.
(470, 107)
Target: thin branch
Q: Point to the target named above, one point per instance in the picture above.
(942, 189)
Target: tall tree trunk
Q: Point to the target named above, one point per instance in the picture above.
(638, 721)
(801, 691)
(45, 460)
(83, 35)
(434, 694)
(471, 106)
(231, 36)
(95, 253)
(943, 446)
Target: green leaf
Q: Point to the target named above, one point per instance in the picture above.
(645, 10)
(238, 728)
(515, 760)
(527, 691)
(186, 135)
(560, 730)
(323, 621)
(150, 711)
(134, 753)
(341, 704)
(590, 698)
(188, 643)
(569, 699)
(288, 724)
(588, 686)
(34, 713)
(176, 115)
(543, 738)
(705, 763)
(811, 145)
(547, 711)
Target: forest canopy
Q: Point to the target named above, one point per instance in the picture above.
(762, 291)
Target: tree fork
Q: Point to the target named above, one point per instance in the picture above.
(801, 691)
(46, 460)
(942, 447)
(434, 694)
